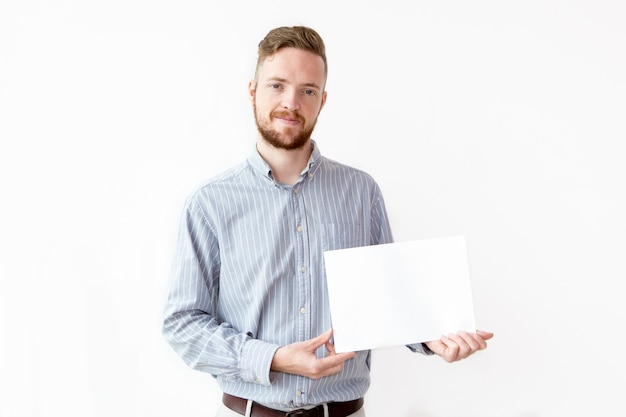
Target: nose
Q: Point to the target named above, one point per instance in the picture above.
(291, 100)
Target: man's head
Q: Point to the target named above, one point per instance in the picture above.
(288, 87)
(299, 37)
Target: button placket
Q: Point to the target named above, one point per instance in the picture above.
(302, 281)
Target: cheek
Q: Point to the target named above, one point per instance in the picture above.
(312, 112)
(264, 104)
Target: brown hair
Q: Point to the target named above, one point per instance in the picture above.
(300, 37)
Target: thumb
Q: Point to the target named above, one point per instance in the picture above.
(484, 335)
(322, 339)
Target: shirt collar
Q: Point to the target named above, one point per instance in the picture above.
(258, 163)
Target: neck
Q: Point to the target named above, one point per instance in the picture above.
(286, 164)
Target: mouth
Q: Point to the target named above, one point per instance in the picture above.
(291, 119)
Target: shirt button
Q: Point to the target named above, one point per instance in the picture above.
(299, 228)
(298, 393)
(303, 310)
(295, 190)
(303, 269)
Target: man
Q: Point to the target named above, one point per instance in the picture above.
(248, 300)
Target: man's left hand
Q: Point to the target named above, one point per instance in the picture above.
(455, 347)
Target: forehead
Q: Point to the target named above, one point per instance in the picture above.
(293, 64)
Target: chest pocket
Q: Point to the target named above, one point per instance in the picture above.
(343, 236)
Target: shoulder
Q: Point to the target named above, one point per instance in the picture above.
(339, 170)
(219, 183)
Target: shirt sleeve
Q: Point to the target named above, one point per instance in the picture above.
(380, 227)
(191, 324)
(420, 348)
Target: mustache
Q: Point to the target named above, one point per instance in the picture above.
(284, 114)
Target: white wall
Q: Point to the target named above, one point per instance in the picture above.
(503, 121)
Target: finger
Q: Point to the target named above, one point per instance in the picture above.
(332, 351)
(482, 344)
(330, 362)
(328, 366)
(320, 340)
(451, 351)
(467, 345)
(331, 348)
(484, 335)
(473, 341)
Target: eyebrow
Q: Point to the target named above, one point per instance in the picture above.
(284, 80)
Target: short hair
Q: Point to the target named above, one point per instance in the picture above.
(299, 37)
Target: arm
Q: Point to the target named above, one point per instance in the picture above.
(451, 348)
(300, 359)
(191, 324)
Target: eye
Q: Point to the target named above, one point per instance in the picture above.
(310, 92)
(275, 86)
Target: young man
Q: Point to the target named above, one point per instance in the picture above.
(248, 300)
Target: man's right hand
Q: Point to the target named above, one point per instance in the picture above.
(299, 358)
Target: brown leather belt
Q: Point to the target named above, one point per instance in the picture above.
(335, 409)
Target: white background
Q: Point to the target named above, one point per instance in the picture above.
(502, 121)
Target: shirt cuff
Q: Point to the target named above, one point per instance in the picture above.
(420, 348)
(256, 361)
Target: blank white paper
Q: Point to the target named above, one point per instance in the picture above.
(399, 293)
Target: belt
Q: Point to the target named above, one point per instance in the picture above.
(335, 409)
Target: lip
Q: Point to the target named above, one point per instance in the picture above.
(289, 121)
(287, 118)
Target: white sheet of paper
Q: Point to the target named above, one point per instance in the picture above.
(399, 293)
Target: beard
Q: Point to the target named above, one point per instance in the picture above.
(290, 138)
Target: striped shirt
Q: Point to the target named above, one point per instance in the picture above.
(248, 275)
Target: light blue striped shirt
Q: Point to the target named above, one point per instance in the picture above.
(248, 275)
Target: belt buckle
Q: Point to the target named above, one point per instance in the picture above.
(295, 413)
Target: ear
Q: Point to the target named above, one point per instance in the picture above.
(252, 89)
(323, 100)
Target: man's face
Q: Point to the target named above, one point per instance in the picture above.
(287, 96)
